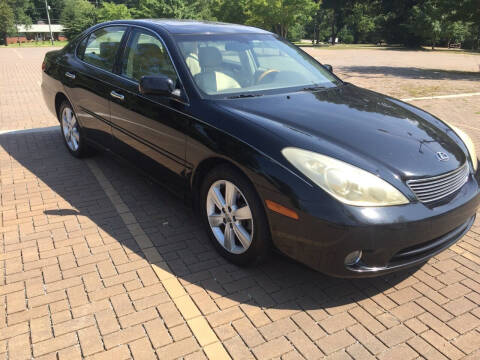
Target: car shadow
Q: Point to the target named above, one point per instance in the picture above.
(409, 73)
(80, 206)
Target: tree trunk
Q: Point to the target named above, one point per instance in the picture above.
(333, 29)
(478, 37)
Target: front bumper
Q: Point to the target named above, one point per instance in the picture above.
(390, 238)
(413, 255)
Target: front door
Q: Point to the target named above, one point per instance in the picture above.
(148, 129)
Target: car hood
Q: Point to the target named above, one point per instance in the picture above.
(358, 126)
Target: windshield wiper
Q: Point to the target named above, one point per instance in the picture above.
(313, 88)
(244, 96)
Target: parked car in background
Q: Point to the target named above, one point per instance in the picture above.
(272, 147)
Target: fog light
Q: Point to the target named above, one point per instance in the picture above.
(353, 257)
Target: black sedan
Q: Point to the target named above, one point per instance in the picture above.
(269, 145)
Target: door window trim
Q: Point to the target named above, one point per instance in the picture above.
(184, 99)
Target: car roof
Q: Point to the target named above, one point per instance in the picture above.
(196, 26)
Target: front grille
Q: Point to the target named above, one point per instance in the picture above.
(436, 188)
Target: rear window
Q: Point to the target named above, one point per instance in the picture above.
(101, 46)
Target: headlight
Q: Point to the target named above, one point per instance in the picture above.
(468, 143)
(343, 181)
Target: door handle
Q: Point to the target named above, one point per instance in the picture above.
(116, 95)
(70, 75)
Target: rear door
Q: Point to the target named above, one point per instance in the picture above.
(149, 129)
(89, 83)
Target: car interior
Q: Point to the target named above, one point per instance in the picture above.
(214, 75)
(232, 66)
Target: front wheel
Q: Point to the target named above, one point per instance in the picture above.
(234, 217)
(71, 131)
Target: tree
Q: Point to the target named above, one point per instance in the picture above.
(340, 11)
(278, 15)
(232, 11)
(7, 25)
(37, 12)
(20, 11)
(426, 20)
(468, 11)
(111, 11)
(150, 9)
(362, 21)
(76, 16)
(456, 32)
(393, 22)
(319, 27)
(177, 9)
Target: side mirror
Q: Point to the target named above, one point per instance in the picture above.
(328, 67)
(156, 85)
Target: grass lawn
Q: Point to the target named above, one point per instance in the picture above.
(39, 43)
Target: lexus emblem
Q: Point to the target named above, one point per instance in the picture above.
(441, 156)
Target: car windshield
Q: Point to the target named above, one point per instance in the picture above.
(241, 65)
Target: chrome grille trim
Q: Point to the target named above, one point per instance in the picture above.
(437, 187)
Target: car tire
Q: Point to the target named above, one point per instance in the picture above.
(72, 133)
(239, 229)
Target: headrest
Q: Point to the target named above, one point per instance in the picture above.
(149, 50)
(108, 49)
(209, 57)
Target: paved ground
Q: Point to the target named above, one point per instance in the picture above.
(405, 74)
(98, 262)
(21, 102)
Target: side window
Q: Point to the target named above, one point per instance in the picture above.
(146, 55)
(102, 46)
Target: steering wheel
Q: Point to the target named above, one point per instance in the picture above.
(265, 74)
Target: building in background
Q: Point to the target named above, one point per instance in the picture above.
(36, 32)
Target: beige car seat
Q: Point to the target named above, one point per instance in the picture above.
(213, 78)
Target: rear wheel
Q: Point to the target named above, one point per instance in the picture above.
(233, 216)
(72, 132)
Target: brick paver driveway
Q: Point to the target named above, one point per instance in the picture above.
(97, 261)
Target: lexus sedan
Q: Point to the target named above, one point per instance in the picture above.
(272, 148)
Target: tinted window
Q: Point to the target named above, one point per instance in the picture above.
(146, 55)
(102, 46)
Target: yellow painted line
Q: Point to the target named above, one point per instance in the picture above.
(187, 307)
(442, 96)
(174, 288)
(18, 54)
(216, 351)
(162, 270)
(203, 332)
(201, 329)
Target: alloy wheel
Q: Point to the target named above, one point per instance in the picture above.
(229, 216)
(70, 129)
